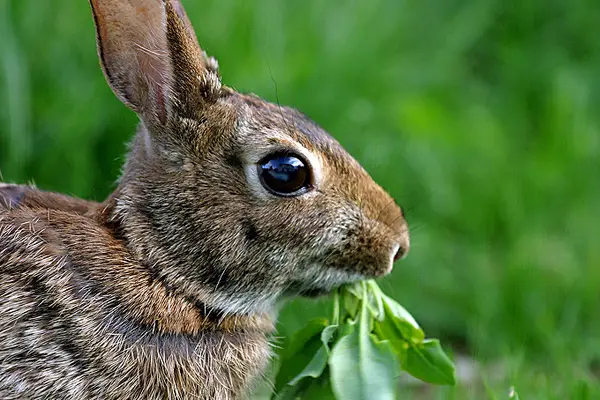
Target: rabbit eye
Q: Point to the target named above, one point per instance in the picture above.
(284, 174)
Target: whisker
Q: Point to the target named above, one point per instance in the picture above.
(409, 209)
(278, 102)
(385, 208)
(392, 222)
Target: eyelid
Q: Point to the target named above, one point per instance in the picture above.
(285, 153)
(310, 159)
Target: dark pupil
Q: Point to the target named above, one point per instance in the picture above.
(283, 174)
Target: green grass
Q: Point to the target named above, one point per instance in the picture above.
(480, 117)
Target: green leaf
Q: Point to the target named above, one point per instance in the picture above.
(298, 341)
(377, 297)
(356, 290)
(363, 371)
(319, 388)
(327, 335)
(428, 362)
(350, 302)
(293, 392)
(387, 330)
(347, 327)
(368, 292)
(317, 365)
(361, 366)
(398, 311)
(404, 323)
(300, 352)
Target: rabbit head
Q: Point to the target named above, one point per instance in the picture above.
(229, 199)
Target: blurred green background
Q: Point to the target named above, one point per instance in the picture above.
(480, 117)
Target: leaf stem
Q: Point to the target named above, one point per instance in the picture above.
(336, 307)
(377, 294)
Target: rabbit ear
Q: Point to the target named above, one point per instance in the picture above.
(151, 57)
(178, 7)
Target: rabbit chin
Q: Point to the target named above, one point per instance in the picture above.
(314, 282)
(319, 281)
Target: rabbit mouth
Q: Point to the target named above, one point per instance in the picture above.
(315, 292)
(321, 282)
(304, 289)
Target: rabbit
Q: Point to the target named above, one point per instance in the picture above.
(13, 196)
(227, 205)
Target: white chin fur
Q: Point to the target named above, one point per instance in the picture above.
(329, 278)
(245, 303)
(258, 303)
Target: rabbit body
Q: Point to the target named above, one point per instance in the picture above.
(227, 204)
(81, 319)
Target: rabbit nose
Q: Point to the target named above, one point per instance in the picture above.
(401, 248)
(400, 253)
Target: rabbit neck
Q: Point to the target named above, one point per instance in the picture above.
(170, 227)
(164, 305)
(203, 341)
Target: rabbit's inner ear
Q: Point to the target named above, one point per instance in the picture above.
(151, 58)
(132, 49)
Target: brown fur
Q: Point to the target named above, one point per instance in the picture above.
(168, 289)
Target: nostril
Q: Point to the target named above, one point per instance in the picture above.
(399, 253)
